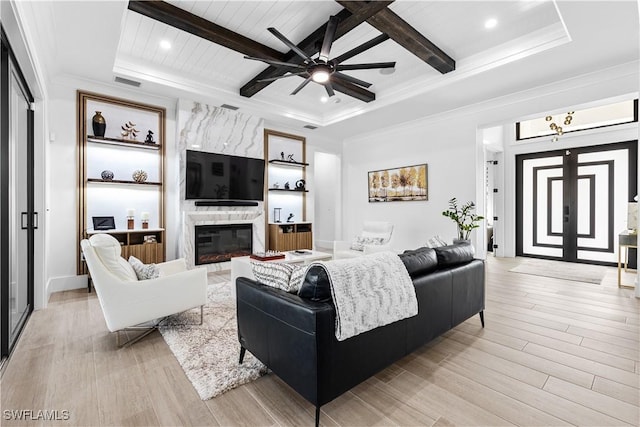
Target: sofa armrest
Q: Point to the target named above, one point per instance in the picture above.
(287, 333)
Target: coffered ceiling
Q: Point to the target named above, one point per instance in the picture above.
(458, 28)
(532, 43)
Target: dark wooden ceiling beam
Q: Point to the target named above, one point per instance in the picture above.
(193, 24)
(386, 21)
(353, 90)
(347, 22)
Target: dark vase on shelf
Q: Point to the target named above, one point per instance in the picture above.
(99, 124)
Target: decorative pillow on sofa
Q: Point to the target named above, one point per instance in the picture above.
(451, 255)
(144, 271)
(316, 286)
(435, 242)
(287, 277)
(359, 242)
(420, 261)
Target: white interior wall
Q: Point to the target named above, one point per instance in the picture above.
(451, 144)
(61, 181)
(445, 145)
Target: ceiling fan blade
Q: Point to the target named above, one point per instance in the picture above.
(289, 44)
(329, 89)
(303, 84)
(276, 63)
(351, 79)
(364, 46)
(329, 35)
(271, 79)
(369, 66)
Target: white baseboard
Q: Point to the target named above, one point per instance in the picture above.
(66, 283)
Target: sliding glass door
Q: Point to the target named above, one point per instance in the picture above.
(571, 204)
(17, 217)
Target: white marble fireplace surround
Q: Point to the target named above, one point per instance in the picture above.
(213, 129)
(219, 217)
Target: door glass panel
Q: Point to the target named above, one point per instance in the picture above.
(542, 206)
(18, 208)
(608, 174)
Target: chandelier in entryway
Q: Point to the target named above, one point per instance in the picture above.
(558, 129)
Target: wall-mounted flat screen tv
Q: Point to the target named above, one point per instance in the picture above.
(214, 176)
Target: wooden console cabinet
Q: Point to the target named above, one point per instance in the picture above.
(290, 236)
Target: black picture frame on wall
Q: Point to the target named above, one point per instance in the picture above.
(402, 184)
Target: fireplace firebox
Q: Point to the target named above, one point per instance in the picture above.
(219, 243)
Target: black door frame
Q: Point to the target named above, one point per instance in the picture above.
(9, 63)
(570, 190)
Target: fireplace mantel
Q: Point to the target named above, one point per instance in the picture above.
(190, 219)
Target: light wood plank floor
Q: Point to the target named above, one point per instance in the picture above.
(553, 352)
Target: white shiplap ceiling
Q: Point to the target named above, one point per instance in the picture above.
(524, 27)
(535, 43)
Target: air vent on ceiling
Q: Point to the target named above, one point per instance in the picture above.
(126, 81)
(229, 107)
(310, 127)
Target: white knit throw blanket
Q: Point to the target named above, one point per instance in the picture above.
(369, 291)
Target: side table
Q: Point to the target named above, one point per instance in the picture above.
(626, 240)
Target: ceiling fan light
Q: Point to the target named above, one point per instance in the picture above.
(320, 76)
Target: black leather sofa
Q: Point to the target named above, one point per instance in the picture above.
(295, 336)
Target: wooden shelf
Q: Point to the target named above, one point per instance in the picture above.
(120, 181)
(122, 142)
(123, 153)
(288, 163)
(290, 191)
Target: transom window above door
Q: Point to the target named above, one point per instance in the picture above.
(576, 120)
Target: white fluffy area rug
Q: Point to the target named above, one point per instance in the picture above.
(209, 353)
(561, 270)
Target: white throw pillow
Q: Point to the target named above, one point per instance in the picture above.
(359, 242)
(144, 271)
(277, 275)
(108, 249)
(435, 242)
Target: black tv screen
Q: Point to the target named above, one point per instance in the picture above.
(217, 176)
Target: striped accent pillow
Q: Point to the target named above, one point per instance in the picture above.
(287, 277)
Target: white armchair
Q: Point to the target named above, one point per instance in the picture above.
(379, 231)
(127, 302)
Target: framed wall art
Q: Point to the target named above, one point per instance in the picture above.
(402, 184)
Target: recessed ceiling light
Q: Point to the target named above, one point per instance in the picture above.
(164, 44)
(490, 23)
(324, 99)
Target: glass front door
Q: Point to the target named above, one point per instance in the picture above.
(571, 204)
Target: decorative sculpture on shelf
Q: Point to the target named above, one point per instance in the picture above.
(282, 155)
(129, 130)
(107, 175)
(286, 186)
(276, 185)
(290, 218)
(290, 158)
(139, 176)
(149, 138)
(300, 185)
